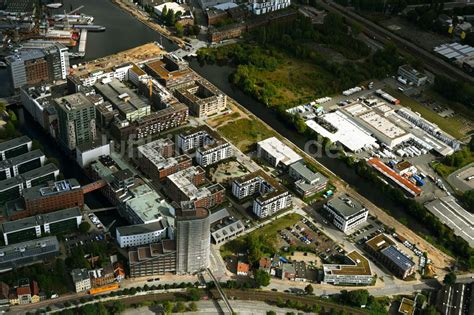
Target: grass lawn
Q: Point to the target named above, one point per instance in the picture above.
(269, 232)
(451, 125)
(244, 133)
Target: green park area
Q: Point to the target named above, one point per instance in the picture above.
(244, 133)
(261, 241)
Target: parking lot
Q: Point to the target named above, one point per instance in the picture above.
(305, 235)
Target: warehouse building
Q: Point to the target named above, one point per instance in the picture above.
(383, 249)
(277, 153)
(412, 75)
(141, 234)
(28, 253)
(154, 259)
(346, 212)
(33, 227)
(356, 271)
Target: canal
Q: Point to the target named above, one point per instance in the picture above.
(124, 32)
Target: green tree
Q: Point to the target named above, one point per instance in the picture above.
(450, 278)
(468, 199)
(180, 307)
(195, 30)
(3, 107)
(102, 310)
(262, 278)
(309, 289)
(179, 29)
(89, 309)
(84, 227)
(356, 297)
(167, 307)
(429, 310)
(193, 307)
(271, 313)
(193, 294)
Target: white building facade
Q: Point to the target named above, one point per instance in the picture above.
(259, 7)
(205, 157)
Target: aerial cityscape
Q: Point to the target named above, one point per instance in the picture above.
(237, 157)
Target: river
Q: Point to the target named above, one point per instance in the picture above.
(124, 32)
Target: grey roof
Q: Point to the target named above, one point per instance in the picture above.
(11, 144)
(397, 257)
(18, 180)
(79, 275)
(345, 205)
(74, 101)
(19, 159)
(26, 55)
(307, 174)
(221, 231)
(20, 254)
(51, 188)
(218, 215)
(141, 228)
(112, 90)
(30, 222)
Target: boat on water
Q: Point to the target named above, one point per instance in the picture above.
(55, 5)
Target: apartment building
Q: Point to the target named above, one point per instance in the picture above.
(22, 163)
(271, 195)
(346, 212)
(203, 98)
(81, 280)
(277, 153)
(15, 147)
(76, 119)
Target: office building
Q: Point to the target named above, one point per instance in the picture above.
(271, 196)
(144, 205)
(154, 259)
(38, 101)
(226, 229)
(412, 75)
(277, 153)
(193, 240)
(15, 147)
(28, 253)
(76, 118)
(203, 98)
(129, 105)
(12, 188)
(20, 164)
(156, 160)
(346, 212)
(81, 280)
(259, 7)
(383, 248)
(356, 271)
(141, 234)
(306, 182)
(61, 221)
(183, 187)
(53, 196)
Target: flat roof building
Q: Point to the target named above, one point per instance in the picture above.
(277, 153)
(14, 147)
(154, 259)
(412, 75)
(306, 181)
(356, 271)
(22, 163)
(383, 248)
(28, 253)
(141, 234)
(203, 98)
(346, 212)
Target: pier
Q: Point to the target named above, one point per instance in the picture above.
(82, 43)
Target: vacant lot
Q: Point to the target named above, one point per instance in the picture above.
(244, 133)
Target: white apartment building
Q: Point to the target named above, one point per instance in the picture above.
(193, 140)
(209, 155)
(347, 212)
(246, 186)
(81, 280)
(358, 272)
(259, 7)
(271, 202)
(141, 234)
